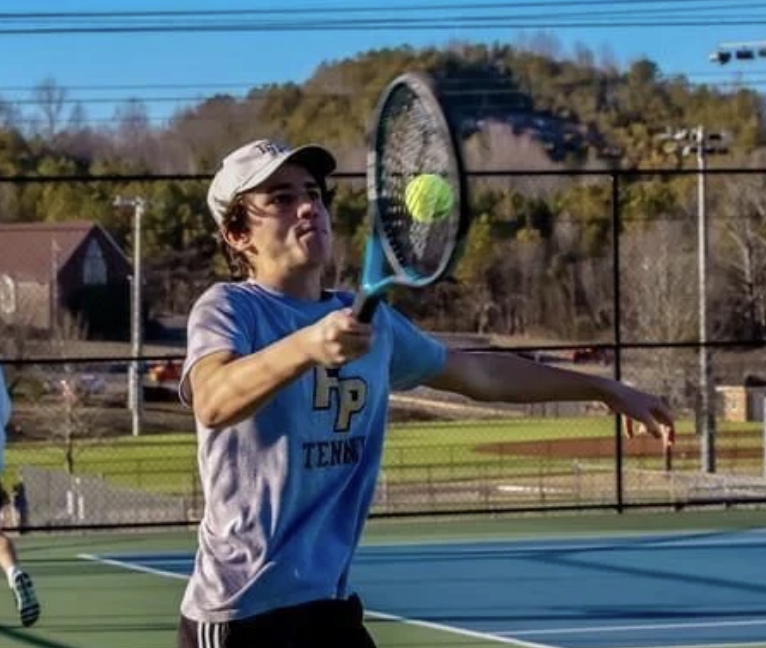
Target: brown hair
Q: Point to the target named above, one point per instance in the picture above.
(235, 220)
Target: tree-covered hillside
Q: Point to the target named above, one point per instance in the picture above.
(539, 253)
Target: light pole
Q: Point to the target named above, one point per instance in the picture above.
(135, 386)
(55, 249)
(697, 141)
(707, 389)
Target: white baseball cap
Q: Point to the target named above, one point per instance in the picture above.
(253, 163)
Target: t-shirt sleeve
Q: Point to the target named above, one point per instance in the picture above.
(215, 324)
(415, 355)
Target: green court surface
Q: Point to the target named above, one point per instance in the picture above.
(92, 604)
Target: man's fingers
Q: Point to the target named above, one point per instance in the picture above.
(667, 433)
(662, 431)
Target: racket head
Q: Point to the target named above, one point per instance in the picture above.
(411, 136)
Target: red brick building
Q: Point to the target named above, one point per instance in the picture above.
(54, 272)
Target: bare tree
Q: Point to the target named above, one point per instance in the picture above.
(134, 137)
(659, 301)
(50, 98)
(78, 118)
(522, 309)
(608, 59)
(542, 43)
(9, 116)
(71, 415)
(583, 55)
(743, 251)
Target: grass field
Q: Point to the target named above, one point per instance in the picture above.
(167, 462)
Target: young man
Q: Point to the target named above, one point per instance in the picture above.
(19, 581)
(290, 395)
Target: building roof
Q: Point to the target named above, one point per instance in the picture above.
(28, 251)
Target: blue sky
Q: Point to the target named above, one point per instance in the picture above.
(207, 62)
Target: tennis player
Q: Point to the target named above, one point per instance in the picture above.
(290, 397)
(18, 580)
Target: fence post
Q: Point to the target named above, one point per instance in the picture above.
(617, 332)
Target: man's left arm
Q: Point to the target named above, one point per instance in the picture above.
(509, 377)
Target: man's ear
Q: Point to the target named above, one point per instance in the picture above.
(236, 240)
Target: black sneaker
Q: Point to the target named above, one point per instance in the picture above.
(26, 600)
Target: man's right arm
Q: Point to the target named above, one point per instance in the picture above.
(227, 388)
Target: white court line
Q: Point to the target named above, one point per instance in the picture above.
(633, 628)
(757, 644)
(372, 613)
(678, 539)
(519, 488)
(132, 566)
(486, 636)
(587, 541)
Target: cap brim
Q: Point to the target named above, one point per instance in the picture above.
(317, 160)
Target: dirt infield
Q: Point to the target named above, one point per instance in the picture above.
(734, 445)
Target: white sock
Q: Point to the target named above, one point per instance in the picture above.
(11, 573)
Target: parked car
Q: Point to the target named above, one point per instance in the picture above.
(83, 384)
(166, 371)
(162, 380)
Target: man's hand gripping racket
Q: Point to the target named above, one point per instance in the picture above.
(645, 414)
(416, 191)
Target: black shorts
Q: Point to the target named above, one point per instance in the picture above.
(318, 624)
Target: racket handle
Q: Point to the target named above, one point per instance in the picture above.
(668, 457)
(364, 307)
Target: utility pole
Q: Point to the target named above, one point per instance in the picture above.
(135, 373)
(696, 141)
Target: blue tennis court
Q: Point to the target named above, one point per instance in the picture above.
(638, 591)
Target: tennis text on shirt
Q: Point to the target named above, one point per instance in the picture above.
(348, 396)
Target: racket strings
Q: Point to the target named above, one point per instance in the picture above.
(414, 144)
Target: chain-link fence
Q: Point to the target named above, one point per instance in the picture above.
(598, 271)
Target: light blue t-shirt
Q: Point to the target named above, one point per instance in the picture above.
(288, 490)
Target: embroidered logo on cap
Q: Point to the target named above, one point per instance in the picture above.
(270, 148)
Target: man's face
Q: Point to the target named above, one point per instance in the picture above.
(288, 222)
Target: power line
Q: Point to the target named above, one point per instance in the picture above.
(491, 23)
(141, 86)
(306, 10)
(168, 21)
(249, 87)
(105, 100)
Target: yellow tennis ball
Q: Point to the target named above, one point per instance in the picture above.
(428, 198)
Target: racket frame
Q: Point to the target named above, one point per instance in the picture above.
(379, 254)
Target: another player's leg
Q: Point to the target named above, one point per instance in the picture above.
(20, 583)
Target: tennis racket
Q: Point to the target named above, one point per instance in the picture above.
(410, 137)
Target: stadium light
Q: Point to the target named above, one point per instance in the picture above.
(135, 382)
(743, 51)
(721, 57)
